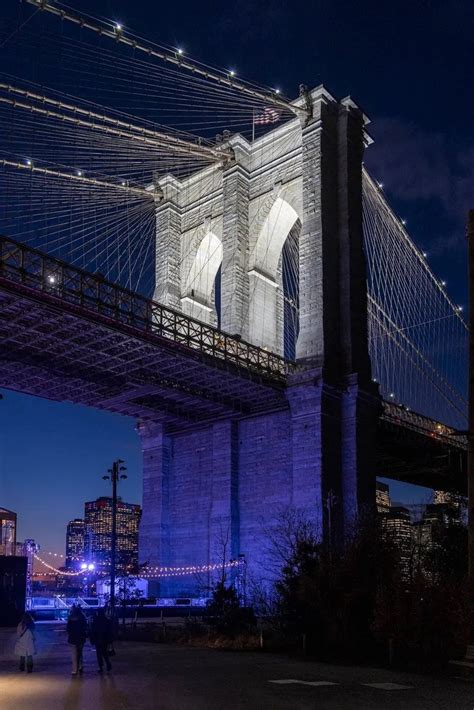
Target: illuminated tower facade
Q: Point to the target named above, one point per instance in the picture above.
(98, 533)
(7, 532)
(75, 543)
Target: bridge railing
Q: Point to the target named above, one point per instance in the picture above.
(35, 270)
(398, 414)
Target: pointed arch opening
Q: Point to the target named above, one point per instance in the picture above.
(273, 280)
(199, 292)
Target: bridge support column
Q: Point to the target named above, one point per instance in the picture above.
(314, 420)
(333, 292)
(155, 524)
(333, 471)
(235, 237)
(224, 532)
(359, 414)
(333, 333)
(168, 245)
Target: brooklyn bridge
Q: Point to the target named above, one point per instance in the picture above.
(250, 297)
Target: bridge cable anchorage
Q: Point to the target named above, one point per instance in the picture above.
(117, 33)
(77, 178)
(115, 127)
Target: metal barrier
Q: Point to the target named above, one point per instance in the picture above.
(20, 264)
(398, 414)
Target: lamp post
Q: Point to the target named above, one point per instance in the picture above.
(331, 501)
(115, 475)
(88, 569)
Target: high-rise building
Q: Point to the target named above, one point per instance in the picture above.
(446, 498)
(422, 536)
(75, 543)
(7, 532)
(397, 522)
(382, 497)
(98, 533)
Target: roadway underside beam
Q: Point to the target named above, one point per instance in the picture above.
(63, 356)
(421, 458)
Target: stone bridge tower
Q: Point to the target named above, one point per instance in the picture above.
(227, 481)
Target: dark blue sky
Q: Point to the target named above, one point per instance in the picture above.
(408, 64)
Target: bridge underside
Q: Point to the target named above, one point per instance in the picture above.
(64, 353)
(421, 456)
(52, 352)
(228, 439)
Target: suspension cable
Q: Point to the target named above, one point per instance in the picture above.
(115, 127)
(177, 59)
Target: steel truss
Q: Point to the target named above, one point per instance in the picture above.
(70, 335)
(398, 414)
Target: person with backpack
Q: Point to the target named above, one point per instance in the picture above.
(76, 637)
(25, 645)
(101, 637)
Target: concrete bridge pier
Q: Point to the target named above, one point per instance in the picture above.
(215, 489)
(332, 347)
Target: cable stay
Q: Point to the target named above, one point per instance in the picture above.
(139, 192)
(376, 313)
(113, 127)
(125, 130)
(117, 33)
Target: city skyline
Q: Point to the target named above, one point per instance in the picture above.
(38, 418)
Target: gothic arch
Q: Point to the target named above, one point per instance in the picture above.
(266, 297)
(273, 233)
(199, 282)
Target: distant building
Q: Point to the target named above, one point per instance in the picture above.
(13, 588)
(436, 513)
(98, 534)
(8, 545)
(75, 543)
(382, 497)
(446, 498)
(397, 522)
(422, 536)
(15, 570)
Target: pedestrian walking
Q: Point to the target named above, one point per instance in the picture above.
(25, 645)
(76, 637)
(101, 637)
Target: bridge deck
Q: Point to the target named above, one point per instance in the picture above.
(69, 335)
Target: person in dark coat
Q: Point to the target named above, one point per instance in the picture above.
(76, 637)
(101, 637)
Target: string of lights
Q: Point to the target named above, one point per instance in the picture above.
(196, 569)
(55, 570)
(154, 572)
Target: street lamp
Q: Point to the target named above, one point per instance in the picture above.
(87, 568)
(115, 475)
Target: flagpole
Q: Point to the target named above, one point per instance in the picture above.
(253, 125)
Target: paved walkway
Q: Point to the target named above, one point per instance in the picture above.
(157, 677)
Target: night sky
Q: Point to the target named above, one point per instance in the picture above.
(407, 64)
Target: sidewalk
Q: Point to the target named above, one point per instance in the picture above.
(160, 677)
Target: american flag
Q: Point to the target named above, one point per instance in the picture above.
(268, 115)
